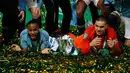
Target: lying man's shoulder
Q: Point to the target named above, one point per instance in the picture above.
(43, 32)
(23, 34)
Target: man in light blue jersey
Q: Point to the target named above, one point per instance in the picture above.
(35, 39)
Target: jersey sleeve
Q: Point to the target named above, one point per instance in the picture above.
(83, 41)
(45, 40)
(23, 40)
(114, 37)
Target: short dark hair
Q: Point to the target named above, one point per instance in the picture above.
(101, 18)
(34, 21)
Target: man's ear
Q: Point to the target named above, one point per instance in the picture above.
(106, 26)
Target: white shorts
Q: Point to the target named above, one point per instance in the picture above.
(88, 2)
(126, 20)
(31, 4)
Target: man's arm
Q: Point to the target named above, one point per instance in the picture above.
(24, 46)
(113, 43)
(104, 9)
(22, 10)
(100, 4)
(83, 44)
(16, 47)
(23, 41)
(45, 42)
(44, 47)
(114, 46)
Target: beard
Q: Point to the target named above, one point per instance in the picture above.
(101, 33)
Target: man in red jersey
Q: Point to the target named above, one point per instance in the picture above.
(98, 36)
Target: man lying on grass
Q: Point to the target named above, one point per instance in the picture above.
(99, 38)
(35, 39)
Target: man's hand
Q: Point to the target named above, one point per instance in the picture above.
(35, 12)
(15, 47)
(95, 42)
(21, 14)
(45, 51)
(110, 43)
